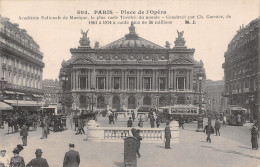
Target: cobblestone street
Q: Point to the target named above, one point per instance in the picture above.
(232, 148)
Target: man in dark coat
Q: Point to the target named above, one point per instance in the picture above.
(24, 134)
(152, 121)
(209, 130)
(129, 122)
(133, 116)
(181, 121)
(38, 161)
(71, 158)
(254, 136)
(168, 136)
(217, 127)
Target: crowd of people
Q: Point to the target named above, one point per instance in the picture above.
(71, 158)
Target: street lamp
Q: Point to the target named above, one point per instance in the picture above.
(17, 98)
(200, 118)
(157, 101)
(92, 99)
(64, 79)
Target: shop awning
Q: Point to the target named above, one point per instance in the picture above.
(9, 92)
(36, 95)
(23, 103)
(20, 93)
(4, 106)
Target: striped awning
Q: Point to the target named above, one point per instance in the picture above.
(4, 106)
(23, 103)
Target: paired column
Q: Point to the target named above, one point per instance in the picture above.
(188, 80)
(138, 80)
(122, 79)
(174, 80)
(191, 79)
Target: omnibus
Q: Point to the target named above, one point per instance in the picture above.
(189, 112)
(49, 110)
(233, 113)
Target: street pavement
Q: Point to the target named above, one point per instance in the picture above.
(231, 149)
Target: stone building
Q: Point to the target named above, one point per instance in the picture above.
(51, 90)
(132, 72)
(215, 101)
(21, 66)
(241, 68)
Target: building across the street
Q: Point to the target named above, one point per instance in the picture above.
(132, 72)
(21, 67)
(241, 68)
(51, 90)
(215, 101)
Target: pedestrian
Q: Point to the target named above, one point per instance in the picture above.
(141, 122)
(71, 158)
(80, 127)
(139, 138)
(152, 121)
(129, 122)
(224, 120)
(75, 119)
(158, 121)
(45, 128)
(254, 136)
(217, 127)
(181, 121)
(239, 122)
(24, 134)
(209, 130)
(4, 159)
(38, 161)
(168, 136)
(16, 160)
(133, 116)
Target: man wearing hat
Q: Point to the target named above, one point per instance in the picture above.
(24, 134)
(4, 159)
(16, 160)
(168, 136)
(71, 158)
(38, 161)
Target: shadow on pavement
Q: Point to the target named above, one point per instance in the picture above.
(119, 164)
(231, 152)
(245, 147)
(160, 147)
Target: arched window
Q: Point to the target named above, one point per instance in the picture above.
(131, 102)
(116, 102)
(147, 100)
(101, 102)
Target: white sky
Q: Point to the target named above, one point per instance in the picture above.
(209, 37)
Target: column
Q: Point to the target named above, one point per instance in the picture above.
(174, 80)
(122, 79)
(93, 79)
(77, 80)
(169, 79)
(187, 79)
(138, 80)
(156, 80)
(89, 83)
(109, 80)
(71, 79)
(107, 86)
(191, 79)
(153, 80)
(125, 79)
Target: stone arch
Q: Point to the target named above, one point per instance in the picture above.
(83, 101)
(147, 100)
(101, 104)
(116, 102)
(162, 101)
(131, 102)
(181, 100)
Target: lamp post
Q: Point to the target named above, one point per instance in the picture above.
(64, 79)
(200, 118)
(92, 98)
(17, 98)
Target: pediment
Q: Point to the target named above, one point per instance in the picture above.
(82, 61)
(182, 61)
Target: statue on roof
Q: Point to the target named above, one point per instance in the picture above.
(84, 40)
(180, 42)
(132, 34)
(167, 44)
(96, 44)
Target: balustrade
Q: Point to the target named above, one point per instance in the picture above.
(117, 134)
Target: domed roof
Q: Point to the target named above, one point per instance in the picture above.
(132, 40)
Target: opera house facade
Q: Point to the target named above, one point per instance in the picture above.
(132, 72)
